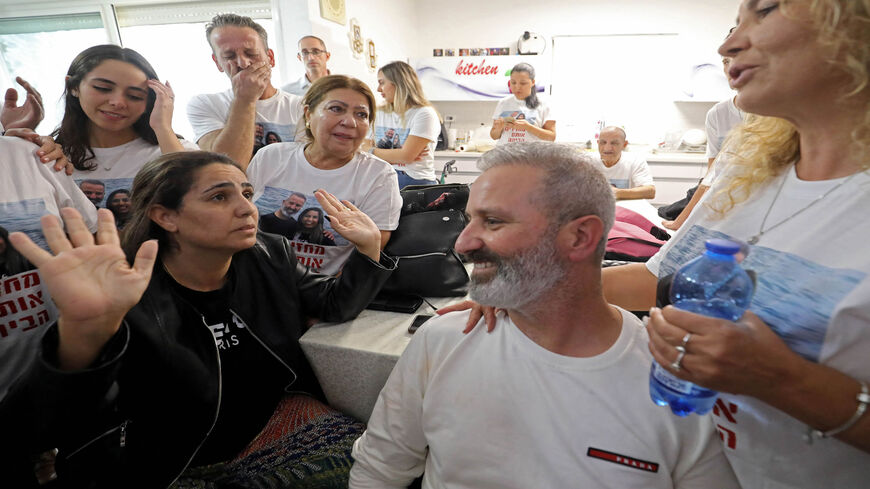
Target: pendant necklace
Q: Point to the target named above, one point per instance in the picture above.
(108, 166)
(761, 230)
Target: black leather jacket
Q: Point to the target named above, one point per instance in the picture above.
(137, 418)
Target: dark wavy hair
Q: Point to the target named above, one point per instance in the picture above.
(315, 234)
(532, 101)
(72, 134)
(163, 181)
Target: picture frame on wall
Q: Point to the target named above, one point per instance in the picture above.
(334, 10)
(449, 52)
(437, 52)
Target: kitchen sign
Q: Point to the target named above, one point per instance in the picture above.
(475, 77)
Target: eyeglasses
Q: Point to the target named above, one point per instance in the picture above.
(314, 52)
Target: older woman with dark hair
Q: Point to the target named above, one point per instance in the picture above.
(175, 373)
(338, 114)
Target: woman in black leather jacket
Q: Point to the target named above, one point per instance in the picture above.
(148, 377)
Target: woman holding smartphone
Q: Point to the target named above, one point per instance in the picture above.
(522, 116)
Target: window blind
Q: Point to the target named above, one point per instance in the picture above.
(192, 12)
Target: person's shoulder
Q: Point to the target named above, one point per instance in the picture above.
(370, 162)
(19, 157)
(718, 107)
(288, 97)
(211, 98)
(446, 330)
(16, 144)
(423, 111)
(280, 150)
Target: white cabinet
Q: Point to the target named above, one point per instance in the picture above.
(674, 173)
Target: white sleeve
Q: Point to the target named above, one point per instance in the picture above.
(204, 117)
(499, 108)
(257, 172)
(546, 113)
(712, 133)
(383, 202)
(640, 174)
(425, 124)
(393, 449)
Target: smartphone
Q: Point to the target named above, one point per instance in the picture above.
(418, 321)
(396, 303)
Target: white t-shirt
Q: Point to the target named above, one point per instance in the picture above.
(629, 172)
(280, 115)
(720, 119)
(29, 190)
(813, 291)
(510, 106)
(117, 166)
(367, 181)
(496, 410)
(390, 133)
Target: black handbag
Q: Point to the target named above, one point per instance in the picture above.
(428, 265)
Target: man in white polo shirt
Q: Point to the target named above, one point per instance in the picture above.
(224, 122)
(627, 172)
(557, 395)
(313, 54)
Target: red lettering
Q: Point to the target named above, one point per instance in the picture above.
(469, 68)
(727, 436)
(720, 409)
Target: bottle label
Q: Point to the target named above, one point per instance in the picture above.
(668, 380)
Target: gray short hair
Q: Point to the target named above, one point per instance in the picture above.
(571, 186)
(235, 20)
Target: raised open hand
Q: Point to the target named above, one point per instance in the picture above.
(27, 115)
(347, 220)
(91, 282)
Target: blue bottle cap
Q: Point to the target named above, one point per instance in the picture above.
(722, 246)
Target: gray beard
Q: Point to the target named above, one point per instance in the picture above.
(521, 279)
(287, 215)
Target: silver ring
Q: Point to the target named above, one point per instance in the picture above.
(686, 340)
(676, 364)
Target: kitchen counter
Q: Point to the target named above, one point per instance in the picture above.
(674, 173)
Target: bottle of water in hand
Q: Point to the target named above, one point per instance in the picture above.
(713, 285)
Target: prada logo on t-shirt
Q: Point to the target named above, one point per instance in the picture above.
(226, 335)
(620, 459)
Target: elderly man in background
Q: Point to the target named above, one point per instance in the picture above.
(557, 394)
(627, 172)
(313, 54)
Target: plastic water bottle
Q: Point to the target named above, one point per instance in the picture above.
(714, 285)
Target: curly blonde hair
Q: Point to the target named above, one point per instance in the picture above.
(762, 147)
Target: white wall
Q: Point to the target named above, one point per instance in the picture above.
(461, 23)
(394, 40)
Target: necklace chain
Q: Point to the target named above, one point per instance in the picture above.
(754, 239)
